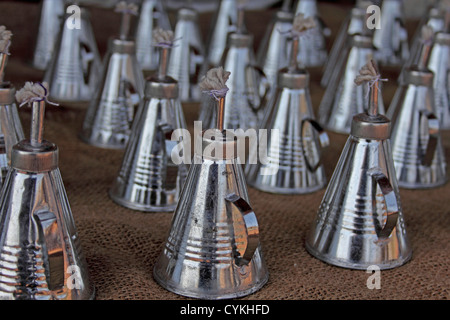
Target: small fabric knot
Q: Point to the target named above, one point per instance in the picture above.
(163, 38)
(33, 92)
(5, 40)
(214, 81)
(368, 74)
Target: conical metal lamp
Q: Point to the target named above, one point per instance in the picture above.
(312, 49)
(391, 39)
(417, 148)
(75, 68)
(148, 179)
(223, 23)
(213, 205)
(188, 56)
(52, 11)
(41, 257)
(11, 131)
(110, 114)
(355, 23)
(360, 220)
(436, 20)
(249, 88)
(343, 99)
(273, 54)
(439, 64)
(152, 16)
(297, 169)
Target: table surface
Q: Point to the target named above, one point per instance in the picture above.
(121, 245)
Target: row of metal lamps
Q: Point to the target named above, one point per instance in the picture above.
(192, 263)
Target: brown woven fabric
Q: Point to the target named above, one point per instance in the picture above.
(121, 245)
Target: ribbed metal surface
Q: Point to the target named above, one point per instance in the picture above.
(273, 52)
(410, 138)
(110, 115)
(148, 180)
(49, 26)
(206, 237)
(354, 23)
(439, 63)
(223, 23)
(286, 156)
(434, 19)
(39, 243)
(11, 132)
(243, 98)
(74, 70)
(187, 56)
(353, 211)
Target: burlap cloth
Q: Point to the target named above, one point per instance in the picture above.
(121, 245)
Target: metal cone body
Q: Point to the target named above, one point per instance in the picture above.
(391, 39)
(354, 24)
(313, 48)
(11, 131)
(75, 68)
(344, 232)
(152, 15)
(416, 142)
(51, 13)
(435, 19)
(39, 241)
(148, 179)
(360, 221)
(343, 99)
(41, 256)
(293, 165)
(272, 55)
(187, 56)
(223, 24)
(439, 64)
(110, 114)
(214, 204)
(244, 106)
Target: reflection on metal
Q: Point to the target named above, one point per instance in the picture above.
(75, 68)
